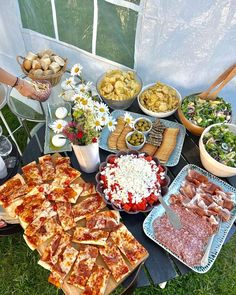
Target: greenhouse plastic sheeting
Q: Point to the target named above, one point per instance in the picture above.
(185, 43)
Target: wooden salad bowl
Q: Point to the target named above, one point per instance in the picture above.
(194, 129)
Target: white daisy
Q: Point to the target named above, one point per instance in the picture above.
(129, 119)
(84, 88)
(104, 119)
(98, 124)
(111, 124)
(68, 84)
(78, 96)
(102, 108)
(76, 70)
(58, 126)
(84, 103)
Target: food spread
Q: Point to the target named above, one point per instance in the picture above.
(220, 143)
(206, 112)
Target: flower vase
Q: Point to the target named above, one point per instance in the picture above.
(87, 156)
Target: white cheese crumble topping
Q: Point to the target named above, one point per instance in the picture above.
(133, 175)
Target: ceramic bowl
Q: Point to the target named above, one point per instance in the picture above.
(158, 114)
(134, 147)
(100, 189)
(210, 163)
(144, 132)
(119, 104)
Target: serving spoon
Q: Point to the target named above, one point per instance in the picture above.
(221, 79)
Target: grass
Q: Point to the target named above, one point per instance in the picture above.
(21, 275)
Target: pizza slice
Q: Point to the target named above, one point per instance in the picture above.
(84, 235)
(53, 250)
(64, 194)
(58, 160)
(114, 260)
(64, 211)
(44, 233)
(39, 221)
(103, 220)
(128, 245)
(65, 171)
(83, 266)
(97, 282)
(32, 174)
(87, 188)
(89, 206)
(47, 168)
(63, 265)
(10, 187)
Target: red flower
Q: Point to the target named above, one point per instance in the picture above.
(94, 140)
(80, 134)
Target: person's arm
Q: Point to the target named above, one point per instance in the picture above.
(25, 88)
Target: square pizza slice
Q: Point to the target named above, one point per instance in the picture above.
(9, 189)
(114, 260)
(85, 235)
(65, 215)
(39, 221)
(64, 194)
(63, 265)
(44, 233)
(103, 220)
(97, 282)
(89, 206)
(83, 266)
(67, 172)
(128, 245)
(54, 249)
(32, 174)
(47, 168)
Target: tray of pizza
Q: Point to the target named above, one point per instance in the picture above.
(81, 241)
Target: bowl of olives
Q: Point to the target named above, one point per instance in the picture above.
(135, 140)
(143, 125)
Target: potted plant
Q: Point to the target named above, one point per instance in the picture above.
(89, 117)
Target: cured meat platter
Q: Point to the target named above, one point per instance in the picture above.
(157, 220)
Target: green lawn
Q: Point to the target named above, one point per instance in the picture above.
(21, 275)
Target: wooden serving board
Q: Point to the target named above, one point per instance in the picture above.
(112, 284)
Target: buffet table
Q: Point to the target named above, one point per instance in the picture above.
(160, 266)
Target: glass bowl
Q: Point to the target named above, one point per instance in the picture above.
(119, 104)
(100, 189)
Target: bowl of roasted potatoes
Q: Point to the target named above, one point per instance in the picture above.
(159, 100)
(45, 65)
(119, 88)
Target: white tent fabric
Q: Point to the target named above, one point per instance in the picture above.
(185, 43)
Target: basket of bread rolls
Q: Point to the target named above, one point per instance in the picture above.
(45, 65)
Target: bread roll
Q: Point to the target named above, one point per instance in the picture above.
(37, 73)
(47, 52)
(45, 62)
(59, 60)
(54, 67)
(36, 65)
(47, 72)
(27, 64)
(31, 56)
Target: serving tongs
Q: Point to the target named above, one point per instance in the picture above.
(222, 80)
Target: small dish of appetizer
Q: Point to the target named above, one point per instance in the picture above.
(135, 140)
(143, 125)
(132, 182)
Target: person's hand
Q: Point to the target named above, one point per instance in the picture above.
(26, 89)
